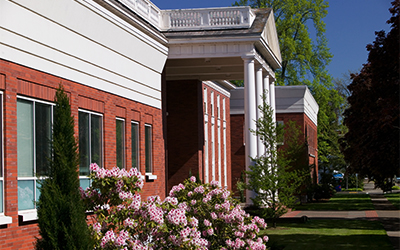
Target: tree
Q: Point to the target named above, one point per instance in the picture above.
(61, 212)
(276, 176)
(372, 143)
(304, 61)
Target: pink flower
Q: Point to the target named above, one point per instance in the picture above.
(210, 231)
(193, 179)
(97, 227)
(207, 223)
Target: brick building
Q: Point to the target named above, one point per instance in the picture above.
(201, 145)
(147, 88)
(292, 103)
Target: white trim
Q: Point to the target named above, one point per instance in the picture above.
(217, 87)
(5, 220)
(151, 177)
(28, 215)
(90, 112)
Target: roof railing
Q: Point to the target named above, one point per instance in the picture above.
(207, 19)
(192, 19)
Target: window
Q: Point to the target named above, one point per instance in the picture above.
(205, 101)
(135, 144)
(212, 103)
(34, 128)
(1, 160)
(90, 144)
(223, 109)
(148, 148)
(120, 143)
(218, 108)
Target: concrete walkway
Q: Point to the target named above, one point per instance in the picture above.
(384, 212)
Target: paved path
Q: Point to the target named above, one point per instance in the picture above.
(384, 212)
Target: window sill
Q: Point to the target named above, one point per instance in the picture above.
(29, 215)
(5, 220)
(151, 177)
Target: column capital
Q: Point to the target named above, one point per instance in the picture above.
(248, 56)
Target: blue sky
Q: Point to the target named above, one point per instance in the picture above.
(350, 26)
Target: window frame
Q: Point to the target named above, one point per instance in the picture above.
(84, 177)
(123, 134)
(3, 218)
(137, 124)
(31, 212)
(149, 174)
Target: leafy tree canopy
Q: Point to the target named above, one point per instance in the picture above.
(305, 55)
(373, 116)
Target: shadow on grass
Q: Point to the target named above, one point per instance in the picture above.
(394, 198)
(329, 242)
(329, 234)
(341, 202)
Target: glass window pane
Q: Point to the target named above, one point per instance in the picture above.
(148, 149)
(120, 143)
(84, 143)
(84, 183)
(25, 138)
(96, 143)
(135, 145)
(1, 196)
(25, 195)
(43, 137)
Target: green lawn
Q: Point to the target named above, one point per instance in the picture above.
(394, 199)
(329, 235)
(341, 202)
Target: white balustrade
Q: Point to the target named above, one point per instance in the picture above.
(145, 9)
(210, 18)
(192, 19)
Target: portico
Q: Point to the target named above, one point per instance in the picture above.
(241, 45)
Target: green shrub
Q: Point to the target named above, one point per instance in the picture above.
(320, 191)
(395, 188)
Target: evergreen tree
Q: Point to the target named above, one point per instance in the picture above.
(61, 213)
(276, 176)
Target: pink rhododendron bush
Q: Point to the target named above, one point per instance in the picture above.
(193, 216)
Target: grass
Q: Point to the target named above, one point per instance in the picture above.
(340, 202)
(328, 235)
(394, 198)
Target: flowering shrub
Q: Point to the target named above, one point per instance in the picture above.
(193, 216)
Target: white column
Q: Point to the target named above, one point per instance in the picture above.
(266, 88)
(272, 98)
(259, 92)
(249, 117)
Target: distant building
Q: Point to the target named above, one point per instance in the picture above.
(293, 103)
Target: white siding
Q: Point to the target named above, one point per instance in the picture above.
(85, 43)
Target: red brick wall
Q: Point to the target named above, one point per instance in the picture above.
(237, 149)
(19, 80)
(186, 131)
(183, 130)
(309, 129)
